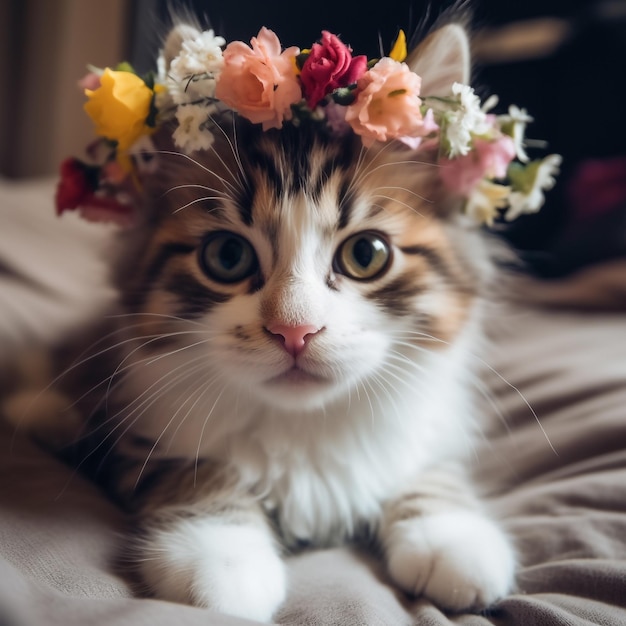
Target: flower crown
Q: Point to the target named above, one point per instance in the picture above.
(482, 155)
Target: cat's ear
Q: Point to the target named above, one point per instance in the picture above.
(441, 60)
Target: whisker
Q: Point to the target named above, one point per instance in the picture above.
(400, 202)
(204, 387)
(161, 356)
(153, 399)
(361, 174)
(484, 391)
(75, 365)
(385, 385)
(147, 401)
(369, 400)
(500, 376)
(200, 165)
(396, 163)
(524, 400)
(156, 382)
(195, 186)
(160, 315)
(196, 201)
(405, 190)
(104, 380)
(195, 475)
(234, 149)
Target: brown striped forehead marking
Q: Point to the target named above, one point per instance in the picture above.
(291, 162)
(270, 165)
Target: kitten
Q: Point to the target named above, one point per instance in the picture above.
(293, 364)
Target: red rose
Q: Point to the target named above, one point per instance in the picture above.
(74, 187)
(76, 190)
(329, 66)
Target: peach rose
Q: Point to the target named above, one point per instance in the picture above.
(387, 105)
(259, 81)
(488, 159)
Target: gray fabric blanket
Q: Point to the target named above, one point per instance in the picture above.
(556, 475)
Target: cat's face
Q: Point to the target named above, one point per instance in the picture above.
(301, 269)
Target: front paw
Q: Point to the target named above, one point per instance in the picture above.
(460, 560)
(231, 568)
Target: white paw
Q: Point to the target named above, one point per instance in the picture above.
(460, 560)
(234, 569)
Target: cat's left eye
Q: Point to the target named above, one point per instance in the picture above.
(363, 256)
(227, 257)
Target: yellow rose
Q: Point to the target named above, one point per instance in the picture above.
(119, 107)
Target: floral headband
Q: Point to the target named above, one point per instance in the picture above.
(482, 155)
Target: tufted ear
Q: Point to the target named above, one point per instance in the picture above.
(442, 59)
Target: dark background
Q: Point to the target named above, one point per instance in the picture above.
(576, 93)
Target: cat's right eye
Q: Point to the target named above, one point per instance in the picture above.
(363, 256)
(227, 258)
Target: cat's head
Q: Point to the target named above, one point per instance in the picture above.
(298, 265)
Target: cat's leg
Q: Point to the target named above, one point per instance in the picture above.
(440, 543)
(201, 542)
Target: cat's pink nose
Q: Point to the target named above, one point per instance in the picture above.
(294, 338)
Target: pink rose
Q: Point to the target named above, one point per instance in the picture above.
(259, 82)
(489, 159)
(387, 104)
(428, 126)
(89, 81)
(329, 65)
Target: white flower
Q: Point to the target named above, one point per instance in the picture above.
(192, 75)
(192, 132)
(514, 125)
(491, 102)
(485, 200)
(202, 55)
(191, 89)
(466, 120)
(161, 70)
(529, 183)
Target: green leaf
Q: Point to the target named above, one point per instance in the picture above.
(125, 66)
(148, 78)
(152, 114)
(508, 128)
(301, 59)
(523, 177)
(344, 95)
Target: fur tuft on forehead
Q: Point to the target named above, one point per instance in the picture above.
(246, 163)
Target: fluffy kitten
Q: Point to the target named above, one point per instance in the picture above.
(293, 365)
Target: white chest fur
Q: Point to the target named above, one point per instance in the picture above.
(325, 473)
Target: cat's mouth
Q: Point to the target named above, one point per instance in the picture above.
(297, 376)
